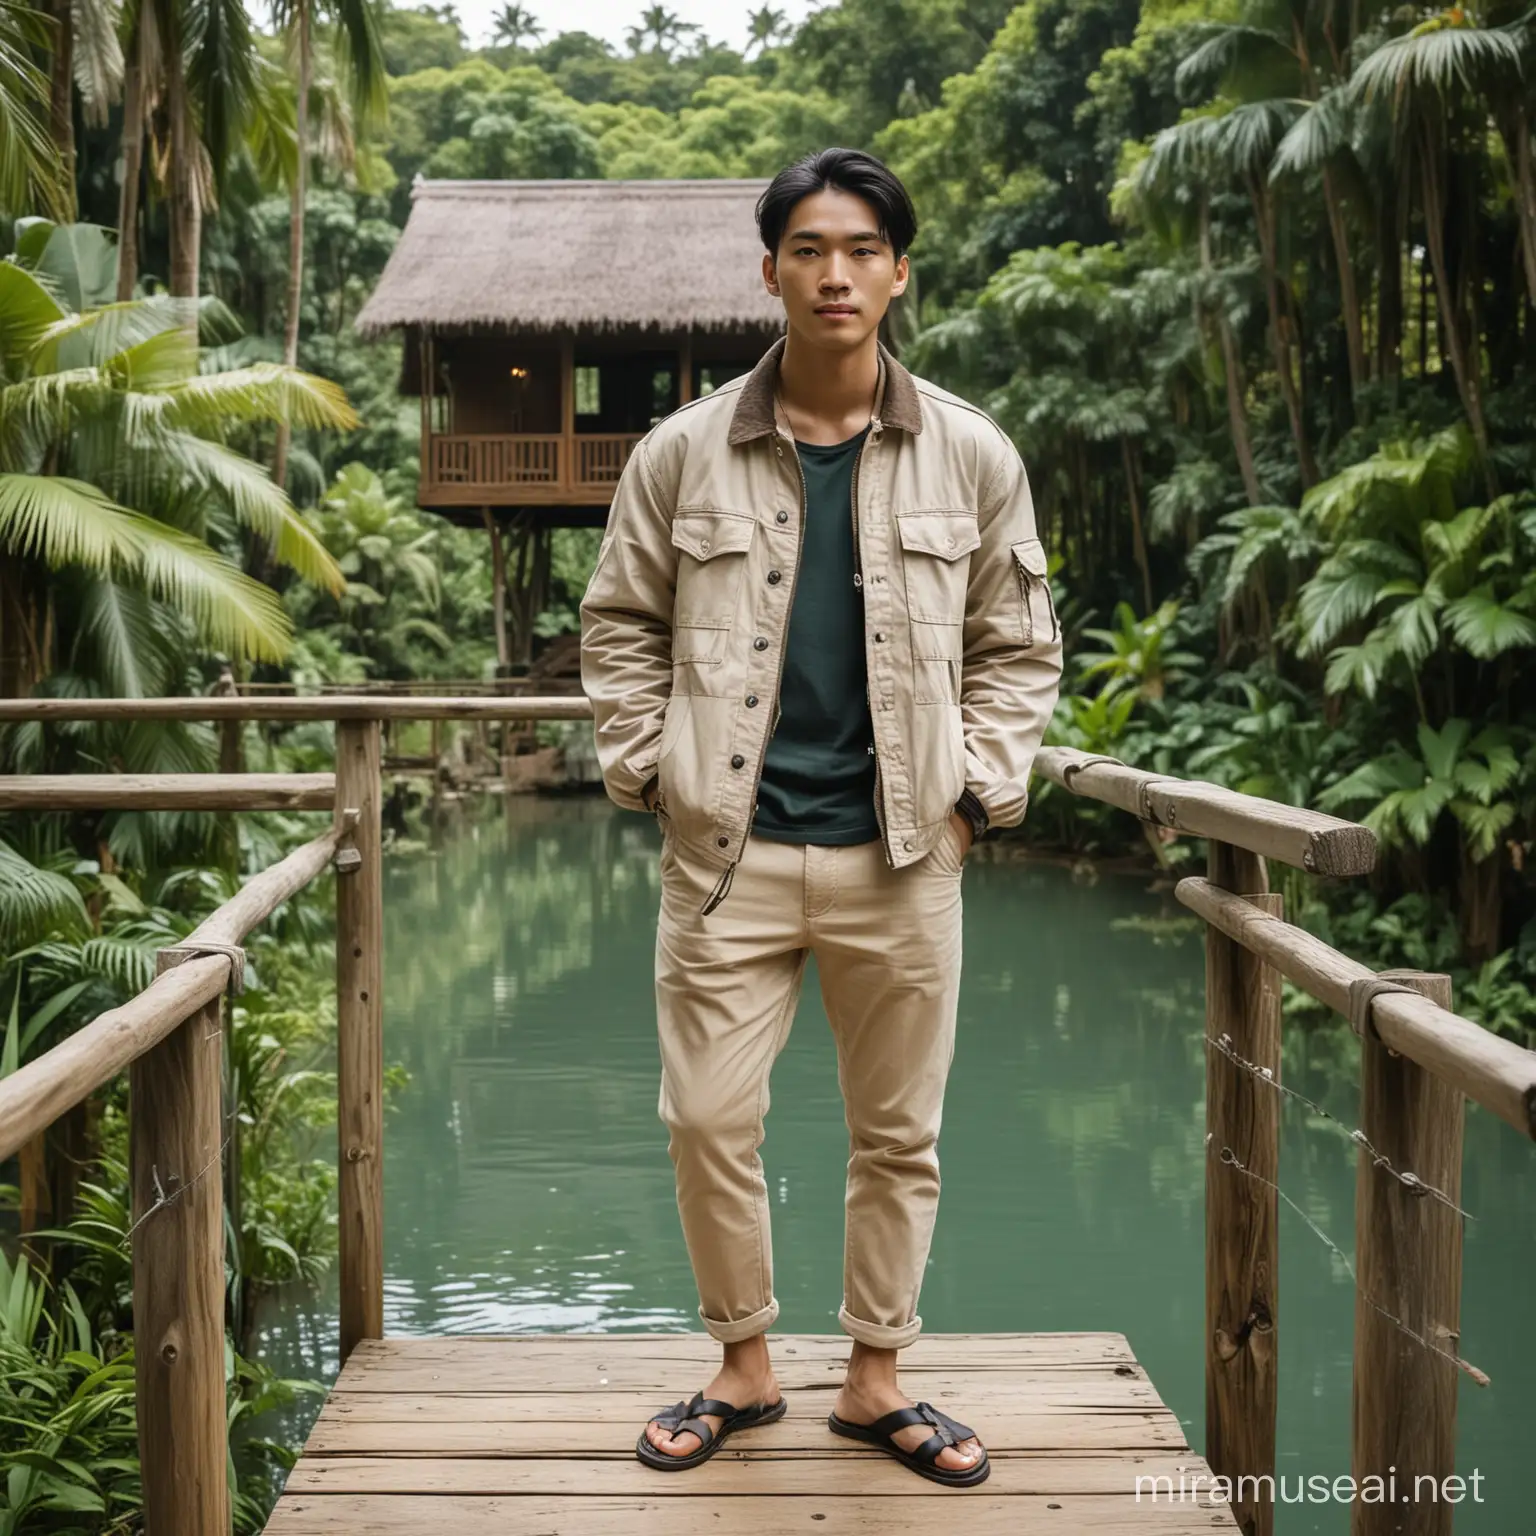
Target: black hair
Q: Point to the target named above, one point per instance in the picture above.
(851, 171)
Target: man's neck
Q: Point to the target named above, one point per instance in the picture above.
(829, 396)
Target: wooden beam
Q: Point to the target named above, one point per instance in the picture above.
(1496, 1072)
(325, 707)
(1322, 845)
(37, 1093)
(1408, 1263)
(498, 587)
(360, 1037)
(178, 1275)
(568, 409)
(168, 791)
(1242, 1120)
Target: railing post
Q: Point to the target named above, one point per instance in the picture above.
(178, 1275)
(360, 1037)
(1408, 1262)
(1242, 1118)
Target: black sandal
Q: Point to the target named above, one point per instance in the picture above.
(687, 1416)
(947, 1432)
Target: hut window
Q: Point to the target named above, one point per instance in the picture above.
(589, 396)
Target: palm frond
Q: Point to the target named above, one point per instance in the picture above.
(27, 309)
(67, 522)
(98, 56)
(31, 171)
(34, 902)
(259, 392)
(248, 491)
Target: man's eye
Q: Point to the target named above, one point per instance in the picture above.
(865, 250)
(806, 250)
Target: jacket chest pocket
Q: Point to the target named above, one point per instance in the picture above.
(711, 562)
(935, 551)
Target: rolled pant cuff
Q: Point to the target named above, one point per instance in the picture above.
(743, 1327)
(878, 1335)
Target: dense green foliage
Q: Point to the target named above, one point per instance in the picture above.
(1251, 283)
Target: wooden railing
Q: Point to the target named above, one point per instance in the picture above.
(506, 460)
(1418, 1060)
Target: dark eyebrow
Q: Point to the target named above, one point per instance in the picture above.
(811, 234)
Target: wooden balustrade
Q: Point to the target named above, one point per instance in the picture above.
(528, 464)
(1418, 1060)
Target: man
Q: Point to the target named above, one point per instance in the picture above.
(820, 648)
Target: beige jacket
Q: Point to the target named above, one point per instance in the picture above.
(684, 620)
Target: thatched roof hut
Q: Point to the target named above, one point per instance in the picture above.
(581, 256)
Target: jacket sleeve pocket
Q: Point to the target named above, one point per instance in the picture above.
(1036, 610)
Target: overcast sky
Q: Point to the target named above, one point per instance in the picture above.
(725, 20)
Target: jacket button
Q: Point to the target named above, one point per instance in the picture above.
(908, 845)
(879, 637)
(724, 842)
(781, 517)
(774, 578)
(760, 644)
(751, 701)
(704, 545)
(738, 761)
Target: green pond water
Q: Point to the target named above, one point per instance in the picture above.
(527, 1184)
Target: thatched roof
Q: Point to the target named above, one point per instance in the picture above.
(565, 255)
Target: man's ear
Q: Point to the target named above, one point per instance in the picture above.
(770, 274)
(899, 281)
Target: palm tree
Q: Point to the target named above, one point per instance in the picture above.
(1239, 145)
(113, 462)
(31, 172)
(513, 24)
(765, 26)
(665, 28)
(354, 29)
(1438, 79)
(87, 56)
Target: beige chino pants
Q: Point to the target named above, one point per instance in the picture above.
(887, 947)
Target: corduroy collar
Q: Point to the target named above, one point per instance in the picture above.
(896, 400)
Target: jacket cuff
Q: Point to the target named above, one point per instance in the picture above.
(974, 812)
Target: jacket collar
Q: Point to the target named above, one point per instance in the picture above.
(896, 399)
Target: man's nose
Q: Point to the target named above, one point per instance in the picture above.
(835, 275)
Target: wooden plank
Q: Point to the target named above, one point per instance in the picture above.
(167, 791)
(1496, 1072)
(178, 1275)
(1408, 1259)
(1042, 1428)
(1036, 1391)
(331, 706)
(986, 1513)
(36, 1094)
(666, 1365)
(1242, 1120)
(1310, 840)
(735, 1471)
(360, 1037)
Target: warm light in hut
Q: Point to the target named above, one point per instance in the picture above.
(518, 373)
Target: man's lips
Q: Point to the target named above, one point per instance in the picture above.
(836, 309)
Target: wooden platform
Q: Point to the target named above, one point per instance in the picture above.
(513, 1436)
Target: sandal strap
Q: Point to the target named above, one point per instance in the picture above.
(697, 1427)
(686, 1416)
(948, 1432)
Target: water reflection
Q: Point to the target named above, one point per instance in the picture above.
(528, 1187)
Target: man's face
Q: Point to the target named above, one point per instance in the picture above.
(834, 271)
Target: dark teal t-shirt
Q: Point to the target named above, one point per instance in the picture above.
(818, 783)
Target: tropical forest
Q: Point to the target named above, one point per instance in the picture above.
(1251, 284)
